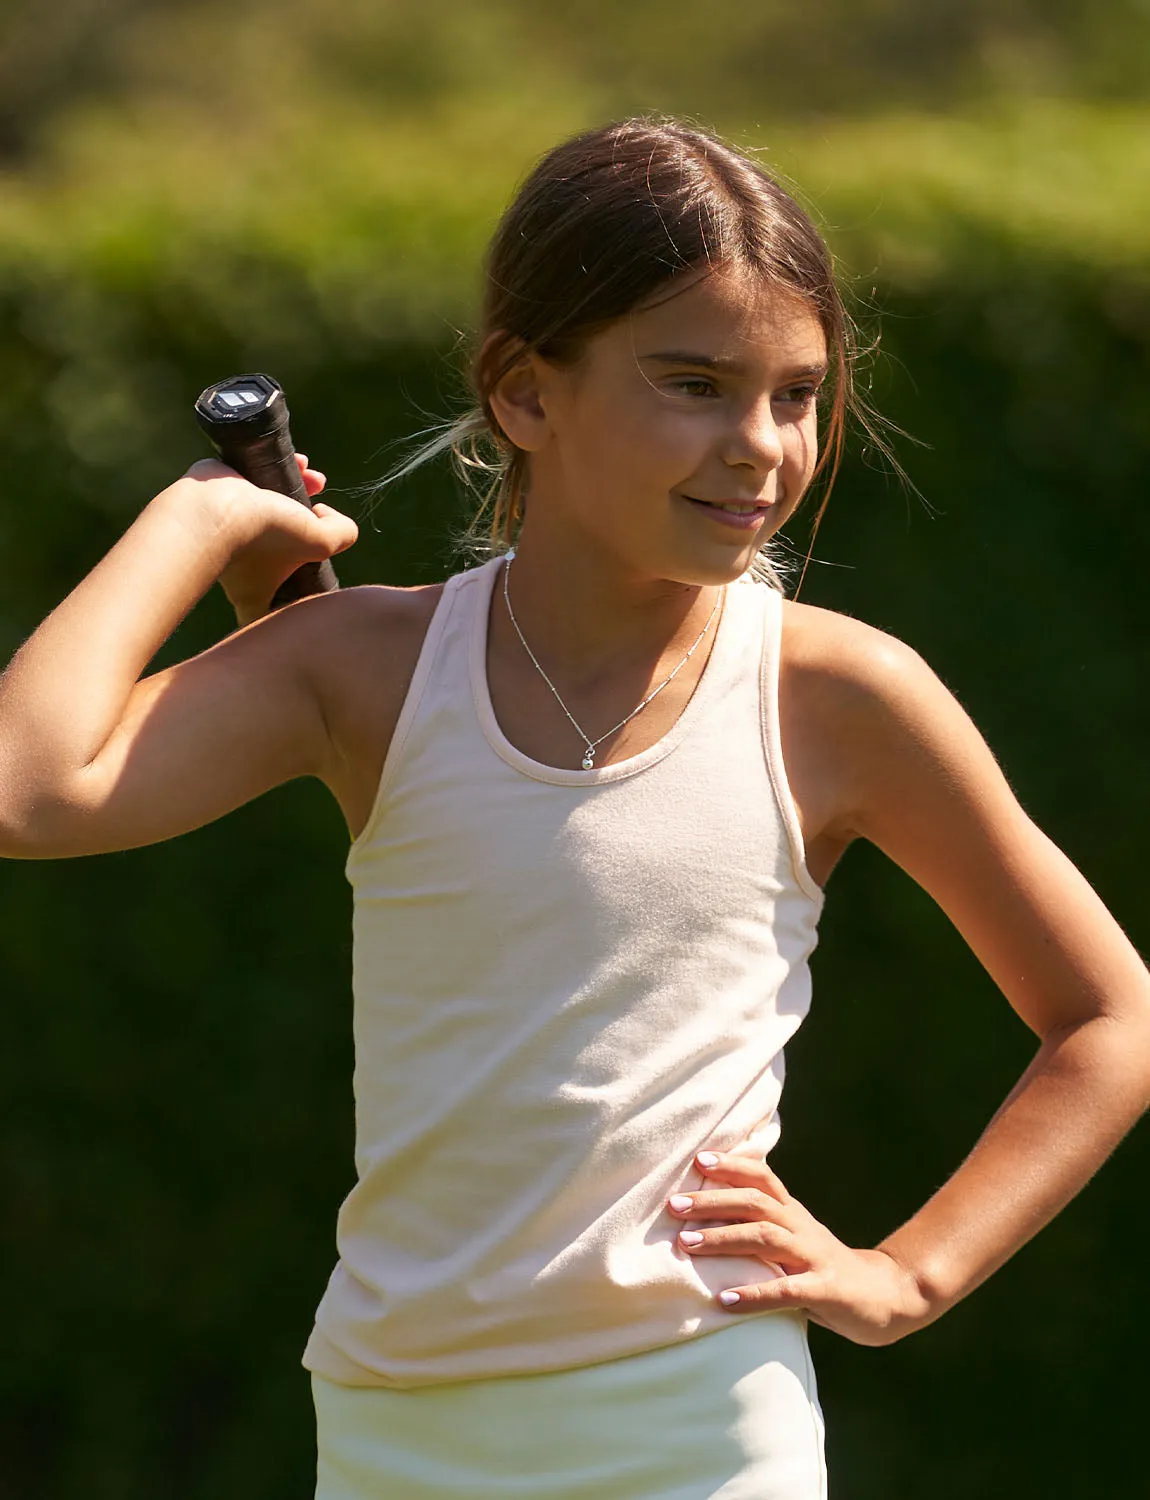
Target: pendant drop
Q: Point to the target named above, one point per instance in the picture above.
(589, 761)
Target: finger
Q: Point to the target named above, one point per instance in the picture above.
(724, 1203)
(760, 1239)
(742, 1171)
(301, 459)
(314, 481)
(803, 1290)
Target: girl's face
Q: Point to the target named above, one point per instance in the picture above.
(685, 435)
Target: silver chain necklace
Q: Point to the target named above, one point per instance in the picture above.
(589, 757)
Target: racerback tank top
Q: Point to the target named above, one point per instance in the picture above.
(566, 983)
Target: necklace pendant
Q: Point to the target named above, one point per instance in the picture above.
(589, 759)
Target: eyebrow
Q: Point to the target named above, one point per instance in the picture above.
(720, 364)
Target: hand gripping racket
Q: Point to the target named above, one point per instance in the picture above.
(246, 418)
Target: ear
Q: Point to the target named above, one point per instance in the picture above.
(516, 399)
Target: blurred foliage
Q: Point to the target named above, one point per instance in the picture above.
(192, 190)
(226, 68)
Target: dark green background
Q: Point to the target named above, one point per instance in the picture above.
(176, 1129)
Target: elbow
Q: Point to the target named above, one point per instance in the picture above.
(19, 839)
(36, 825)
(1137, 1045)
(16, 842)
(1111, 1053)
(14, 833)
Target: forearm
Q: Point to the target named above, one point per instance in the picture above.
(65, 690)
(1083, 1091)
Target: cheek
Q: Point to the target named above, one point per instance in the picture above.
(667, 443)
(632, 446)
(802, 451)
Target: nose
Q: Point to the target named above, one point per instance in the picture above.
(754, 439)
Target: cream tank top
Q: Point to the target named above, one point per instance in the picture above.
(566, 983)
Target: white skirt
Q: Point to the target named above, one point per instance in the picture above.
(731, 1414)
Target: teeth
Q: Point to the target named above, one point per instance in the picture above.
(746, 509)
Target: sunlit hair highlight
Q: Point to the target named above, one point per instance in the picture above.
(604, 222)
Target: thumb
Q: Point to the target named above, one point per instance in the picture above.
(780, 1291)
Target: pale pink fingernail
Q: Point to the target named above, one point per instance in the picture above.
(707, 1159)
(728, 1298)
(691, 1237)
(680, 1203)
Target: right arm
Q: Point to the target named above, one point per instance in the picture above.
(93, 757)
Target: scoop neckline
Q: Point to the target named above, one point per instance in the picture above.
(706, 688)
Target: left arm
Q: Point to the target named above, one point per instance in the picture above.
(921, 784)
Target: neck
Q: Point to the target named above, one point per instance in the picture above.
(584, 615)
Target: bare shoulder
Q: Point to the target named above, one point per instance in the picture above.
(372, 620)
(863, 717)
(845, 657)
(852, 678)
(362, 648)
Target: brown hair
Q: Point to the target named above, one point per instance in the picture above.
(603, 222)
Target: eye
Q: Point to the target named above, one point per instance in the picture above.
(694, 385)
(802, 396)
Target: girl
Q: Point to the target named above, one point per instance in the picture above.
(595, 788)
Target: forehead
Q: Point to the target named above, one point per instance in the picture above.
(730, 315)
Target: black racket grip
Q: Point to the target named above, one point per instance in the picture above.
(260, 447)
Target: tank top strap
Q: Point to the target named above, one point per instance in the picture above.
(445, 621)
(770, 674)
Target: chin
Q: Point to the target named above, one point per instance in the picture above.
(718, 565)
(712, 572)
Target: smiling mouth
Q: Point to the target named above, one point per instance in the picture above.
(734, 515)
(732, 507)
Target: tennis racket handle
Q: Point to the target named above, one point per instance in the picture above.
(246, 418)
(269, 462)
